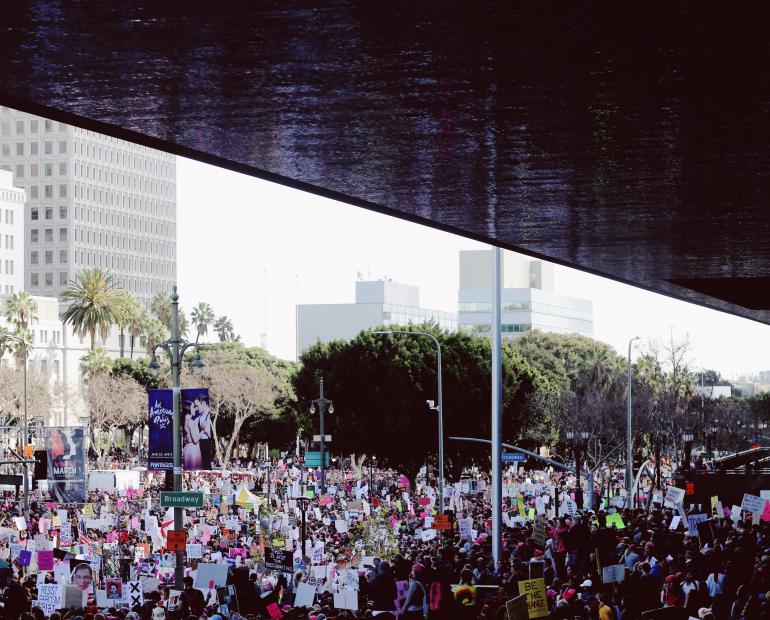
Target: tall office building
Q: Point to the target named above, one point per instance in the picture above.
(92, 201)
(11, 235)
(528, 300)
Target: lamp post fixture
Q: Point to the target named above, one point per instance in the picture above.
(372, 463)
(629, 435)
(323, 404)
(175, 347)
(25, 438)
(687, 437)
(438, 407)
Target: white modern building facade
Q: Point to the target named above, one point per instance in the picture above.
(11, 235)
(528, 300)
(92, 201)
(378, 302)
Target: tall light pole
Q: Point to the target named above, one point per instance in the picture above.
(175, 347)
(629, 437)
(322, 404)
(497, 408)
(438, 408)
(25, 439)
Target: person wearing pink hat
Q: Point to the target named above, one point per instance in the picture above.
(415, 605)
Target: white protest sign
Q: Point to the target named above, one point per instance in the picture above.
(752, 503)
(50, 595)
(346, 599)
(305, 595)
(428, 534)
(692, 523)
(673, 497)
(194, 551)
(675, 522)
(613, 574)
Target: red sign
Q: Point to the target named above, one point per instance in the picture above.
(177, 541)
(423, 501)
(442, 522)
(690, 488)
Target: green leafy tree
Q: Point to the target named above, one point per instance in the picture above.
(94, 303)
(153, 332)
(130, 312)
(224, 329)
(138, 370)
(380, 384)
(202, 316)
(95, 362)
(20, 311)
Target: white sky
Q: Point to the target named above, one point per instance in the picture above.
(233, 229)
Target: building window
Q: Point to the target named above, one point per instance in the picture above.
(49, 279)
(49, 213)
(19, 171)
(48, 147)
(63, 257)
(62, 146)
(34, 213)
(49, 235)
(34, 279)
(20, 127)
(62, 168)
(48, 193)
(62, 234)
(34, 235)
(33, 170)
(48, 125)
(48, 169)
(33, 192)
(33, 258)
(49, 257)
(63, 278)
(62, 191)
(20, 149)
(33, 148)
(33, 126)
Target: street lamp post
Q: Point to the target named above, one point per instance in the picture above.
(322, 404)
(175, 347)
(629, 436)
(303, 504)
(372, 463)
(25, 438)
(577, 447)
(439, 408)
(687, 437)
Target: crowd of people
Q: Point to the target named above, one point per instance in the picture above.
(373, 545)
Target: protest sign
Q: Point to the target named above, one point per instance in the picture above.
(673, 497)
(692, 523)
(210, 576)
(305, 595)
(613, 574)
(538, 531)
(752, 503)
(279, 559)
(176, 541)
(537, 603)
(517, 608)
(194, 551)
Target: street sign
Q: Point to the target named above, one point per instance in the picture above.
(313, 459)
(514, 457)
(317, 438)
(181, 499)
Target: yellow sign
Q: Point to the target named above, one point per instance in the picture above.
(88, 510)
(28, 453)
(714, 500)
(537, 603)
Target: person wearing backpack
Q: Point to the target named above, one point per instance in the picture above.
(415, 605)
(440, 596)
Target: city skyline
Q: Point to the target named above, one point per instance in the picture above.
(310, 249)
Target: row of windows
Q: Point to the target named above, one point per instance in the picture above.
(7, 196)
(34, 278)
(126, 263)
(34, 257)
(34, 125)
(117, 178)
(9, 289)
(8, 242)
(9, 266)
(108, 197)
(48, 191)
(506, 328)
(34, 148)
(124, 158)
(34, 213)
(526, 306)
(43, 365)
(34, 235)
(8, 213)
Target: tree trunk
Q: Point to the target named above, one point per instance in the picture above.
(122, 339)
(93, 337)
(132, 347)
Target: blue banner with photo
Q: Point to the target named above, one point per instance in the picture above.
(160, 448)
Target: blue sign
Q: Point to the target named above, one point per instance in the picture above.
(514, 457)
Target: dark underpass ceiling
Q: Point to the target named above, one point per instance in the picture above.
(628, 139)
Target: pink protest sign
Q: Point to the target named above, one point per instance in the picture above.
(45, 560)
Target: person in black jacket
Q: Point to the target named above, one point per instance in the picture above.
(383, 591)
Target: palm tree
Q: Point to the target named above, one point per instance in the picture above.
(153, 332)
(21, 310)
(202, 316)
(4, 333)
(183, 325)
(96, 361)
(224, 328)
(160, 306)
(129, 307)
(95, 303)
(136, 316)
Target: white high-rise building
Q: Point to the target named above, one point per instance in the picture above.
(11, 235)
(528, 300)
(92, 201)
